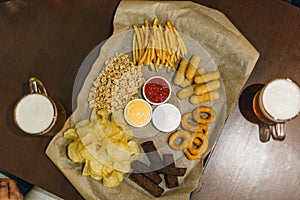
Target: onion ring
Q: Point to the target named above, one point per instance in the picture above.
(184, 138)
(190, 156)
(188, 124)
(197, 147)
(204, 115)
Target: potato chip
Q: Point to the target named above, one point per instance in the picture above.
(108, 129)
(103, 116)
(96, 167)
(133, 146)
(71, 134)
(93, 174)
(114, 130)
(96, 176)
(86, 154)
(73, 152)
(118, 138)
(118, 117)
(104, 147)
(107, 171)
(113, 180)
(89, 137)
(86, 168)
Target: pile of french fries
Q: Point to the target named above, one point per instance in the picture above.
(157, 46)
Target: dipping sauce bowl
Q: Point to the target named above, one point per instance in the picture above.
(157, 90)
(166, 117)
(138, 112)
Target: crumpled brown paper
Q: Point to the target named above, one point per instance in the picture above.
(232, 53)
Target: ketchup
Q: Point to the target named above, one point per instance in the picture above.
(157, 90)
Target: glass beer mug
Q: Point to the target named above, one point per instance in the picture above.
(38, 114)
(275, 104)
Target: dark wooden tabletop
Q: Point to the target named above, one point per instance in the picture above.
(49, 39)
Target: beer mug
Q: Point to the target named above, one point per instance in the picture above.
(36, 113)
(275, 104)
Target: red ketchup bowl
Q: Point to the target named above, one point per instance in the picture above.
(157, 90)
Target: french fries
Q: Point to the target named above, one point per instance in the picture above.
(157, 46)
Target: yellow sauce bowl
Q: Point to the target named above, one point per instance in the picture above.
(138, 112)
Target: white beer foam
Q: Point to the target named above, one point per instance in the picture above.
(281, 99)
(34, 113)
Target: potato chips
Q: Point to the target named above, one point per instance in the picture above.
(104, 145)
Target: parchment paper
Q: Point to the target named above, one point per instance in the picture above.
(232, 53)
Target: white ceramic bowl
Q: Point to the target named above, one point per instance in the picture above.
(160, 82)
(135, 109)
(166, 117)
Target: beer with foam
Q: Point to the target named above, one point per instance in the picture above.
(277, 102)
(37, 114)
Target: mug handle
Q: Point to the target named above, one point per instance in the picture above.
(264, 132)
(36, 86)
(278, 131)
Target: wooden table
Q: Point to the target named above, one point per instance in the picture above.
(49, 39)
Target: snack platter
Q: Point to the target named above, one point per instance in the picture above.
(84, 146)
